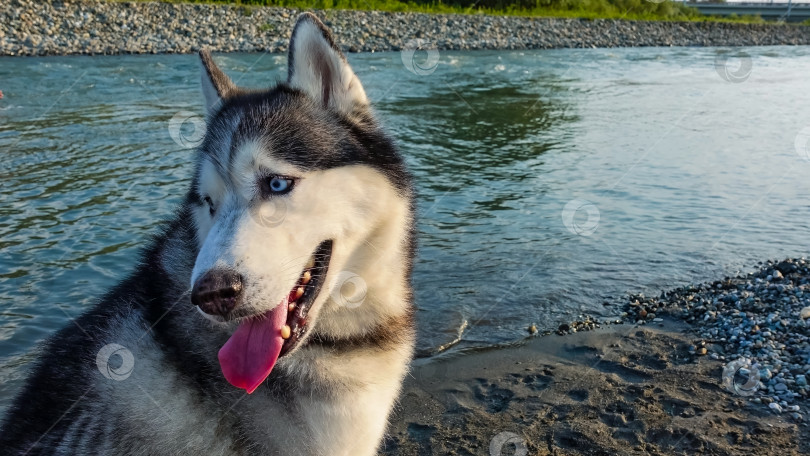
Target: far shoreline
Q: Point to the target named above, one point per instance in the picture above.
(112, 28)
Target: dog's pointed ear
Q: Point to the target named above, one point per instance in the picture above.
(317, 67)
(216, 85)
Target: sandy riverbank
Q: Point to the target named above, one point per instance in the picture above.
(621, 389)
(717, 368)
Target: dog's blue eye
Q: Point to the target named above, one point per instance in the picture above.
(278, 185)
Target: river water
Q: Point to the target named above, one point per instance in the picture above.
(549, 181)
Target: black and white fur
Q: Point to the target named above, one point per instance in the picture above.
(332, 394)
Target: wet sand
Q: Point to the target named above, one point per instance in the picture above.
(617, 390)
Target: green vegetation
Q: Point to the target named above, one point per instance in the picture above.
(650, 10)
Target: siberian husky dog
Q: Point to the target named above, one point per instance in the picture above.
(273, 315)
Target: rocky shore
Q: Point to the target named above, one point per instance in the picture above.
(757, 324)
(50, 27)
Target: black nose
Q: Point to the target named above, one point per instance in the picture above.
(217, 292)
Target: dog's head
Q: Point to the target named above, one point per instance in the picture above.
(302, 207)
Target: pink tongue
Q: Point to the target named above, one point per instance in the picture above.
(251, 352)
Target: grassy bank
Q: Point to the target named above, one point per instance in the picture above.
(586, 9)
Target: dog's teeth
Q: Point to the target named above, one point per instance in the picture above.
(285, 332)
(291, 307)
(310, 263)
(299, 292)
(306, 277)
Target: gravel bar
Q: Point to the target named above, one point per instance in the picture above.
(47, 27)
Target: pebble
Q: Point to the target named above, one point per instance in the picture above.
(47, 27)
(586, 323)
(775, 407)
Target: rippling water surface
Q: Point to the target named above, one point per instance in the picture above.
(548, 180)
